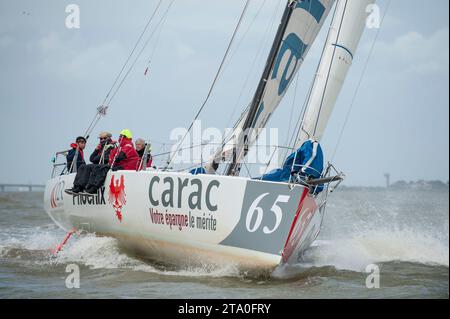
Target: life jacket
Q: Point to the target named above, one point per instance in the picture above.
(71, 156)
(80, 151)
(132, 158)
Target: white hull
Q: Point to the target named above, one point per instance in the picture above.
(205, 218)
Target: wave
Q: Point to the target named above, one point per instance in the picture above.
(40, 238)
(104, 252)
(359, 251)
(354, 253)
(378, 246)
(93, 252)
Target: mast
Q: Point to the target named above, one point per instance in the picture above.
(234, 167)
(299, 27)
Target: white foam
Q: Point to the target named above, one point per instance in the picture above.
(34, 239)
(94, 252)
(103, 252)
(354, 252)
(377, 246)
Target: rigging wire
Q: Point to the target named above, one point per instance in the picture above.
(299, 124)
(147, 66)
(134, 49)
(301, 118)
(291, 115)
(101, 111)
(263, 43)
(236, 49)
(360, 82)
(140, 52)
(241, 18)
(329, 69)
(150, 60)
(258, 57)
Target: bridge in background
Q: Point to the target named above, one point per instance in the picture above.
(18, 187)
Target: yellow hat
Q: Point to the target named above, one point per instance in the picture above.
(126, 133)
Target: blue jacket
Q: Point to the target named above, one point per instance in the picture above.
(71, 155)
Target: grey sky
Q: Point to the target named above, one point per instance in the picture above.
(52, 79)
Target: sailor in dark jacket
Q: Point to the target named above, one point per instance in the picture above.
(101, 152)
(79, 145)
(140, 145)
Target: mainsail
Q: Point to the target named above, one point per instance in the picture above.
(301, 22)
(343, 38)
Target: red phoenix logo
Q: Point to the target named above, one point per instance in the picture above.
(117, 195)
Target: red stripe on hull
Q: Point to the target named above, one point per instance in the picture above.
(307, 207)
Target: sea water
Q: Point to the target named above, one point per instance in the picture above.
(375, 243)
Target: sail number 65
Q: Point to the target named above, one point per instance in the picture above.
(255, 209)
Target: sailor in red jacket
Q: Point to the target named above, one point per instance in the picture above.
(125, 156)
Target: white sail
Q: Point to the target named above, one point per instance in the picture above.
(304, 25)
(345, 33)
(301, 23)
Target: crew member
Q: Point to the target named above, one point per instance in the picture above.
(125, 156)
(103, 149)
(140, 149)
(79, 146)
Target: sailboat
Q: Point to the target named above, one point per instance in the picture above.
(185, 217)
